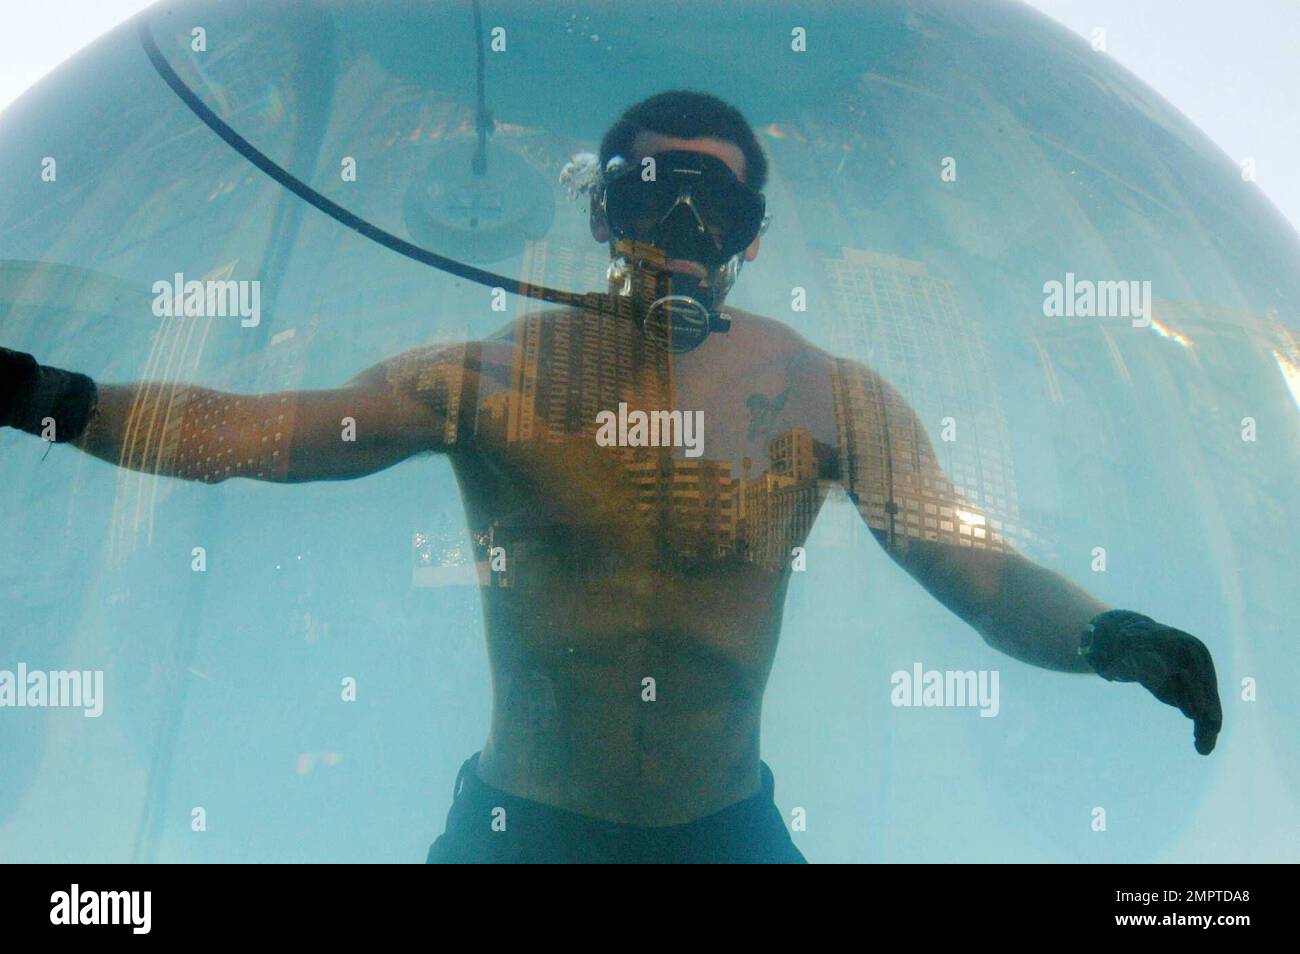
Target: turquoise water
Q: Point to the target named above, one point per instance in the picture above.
(222, 689)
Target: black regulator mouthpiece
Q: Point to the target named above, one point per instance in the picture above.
(665, 309)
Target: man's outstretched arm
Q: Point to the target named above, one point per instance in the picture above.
(1020, 608)
(384, 415)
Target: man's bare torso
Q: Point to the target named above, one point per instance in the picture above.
(633, 616)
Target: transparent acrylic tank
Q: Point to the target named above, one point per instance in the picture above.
(222, 688)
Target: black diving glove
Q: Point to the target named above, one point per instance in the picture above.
(32, 396)
(18, 373)
(1175, 667)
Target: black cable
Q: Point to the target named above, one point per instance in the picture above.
(483, 121)
(333, 209)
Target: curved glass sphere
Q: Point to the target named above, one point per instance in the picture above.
(934, 169)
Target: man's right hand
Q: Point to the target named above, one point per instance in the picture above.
(18, 373)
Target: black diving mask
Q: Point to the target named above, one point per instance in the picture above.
(693, 207)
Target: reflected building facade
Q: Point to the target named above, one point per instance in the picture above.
(894, 317)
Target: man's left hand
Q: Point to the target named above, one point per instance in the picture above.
(1174, 666)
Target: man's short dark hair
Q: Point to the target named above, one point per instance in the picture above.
(687, 114)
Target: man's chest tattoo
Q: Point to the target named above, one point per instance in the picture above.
(764, 412)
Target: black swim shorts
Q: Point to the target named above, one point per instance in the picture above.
(749, 832)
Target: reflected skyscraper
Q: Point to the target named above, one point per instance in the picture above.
(894, 317)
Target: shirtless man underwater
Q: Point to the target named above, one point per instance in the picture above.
(645, 511)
